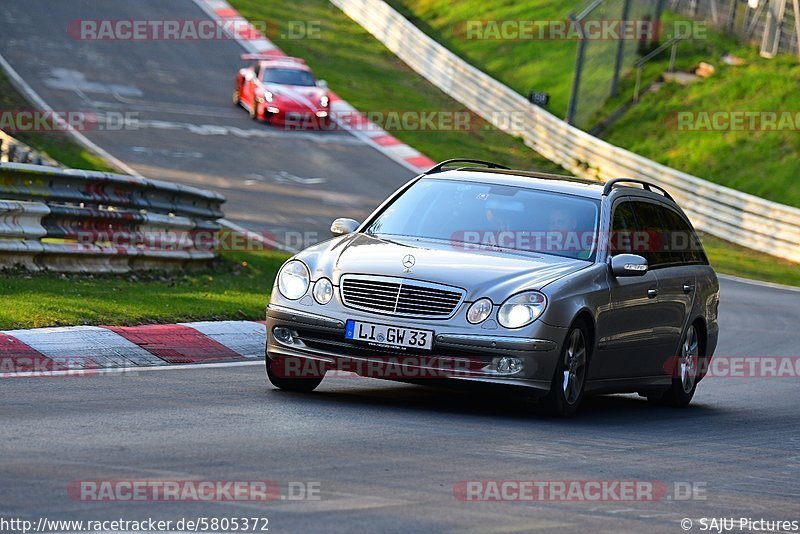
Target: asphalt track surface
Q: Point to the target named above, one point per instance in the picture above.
(183, 126)
(386, 456)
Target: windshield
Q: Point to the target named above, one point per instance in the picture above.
(476, 215)
(289, 77)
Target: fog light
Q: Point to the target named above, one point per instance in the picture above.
(504, 366)
(284, 335)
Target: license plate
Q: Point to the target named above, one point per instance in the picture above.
(389, 336)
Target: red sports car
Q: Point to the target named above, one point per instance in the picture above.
(282, 91)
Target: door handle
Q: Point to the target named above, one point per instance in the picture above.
(652, 293)
(688, 288)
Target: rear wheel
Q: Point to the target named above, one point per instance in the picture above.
(566, 390)
(686, 370)
(277, 374)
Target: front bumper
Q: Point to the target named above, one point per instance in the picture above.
(297, 119)
(456, 355)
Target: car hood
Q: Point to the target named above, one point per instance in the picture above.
(307, 97)
(483, 273)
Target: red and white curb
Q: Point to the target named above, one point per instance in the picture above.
(356, 123)
(64, 349)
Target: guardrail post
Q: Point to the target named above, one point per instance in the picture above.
(576, 80)
(672, 56)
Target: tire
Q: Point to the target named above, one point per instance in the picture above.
(237, 99)
(569, 380)
(300, 385)
(684, 381)
(254, 111)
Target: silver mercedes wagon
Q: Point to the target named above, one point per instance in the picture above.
(472, 273)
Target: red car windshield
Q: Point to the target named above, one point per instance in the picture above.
(289, 77)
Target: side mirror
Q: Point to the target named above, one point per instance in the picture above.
(344, 226)
(628, 265)
(322, 83)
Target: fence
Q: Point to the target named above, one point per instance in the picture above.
(601, 62)
(732, 215)
(69, 220)
(774, 24)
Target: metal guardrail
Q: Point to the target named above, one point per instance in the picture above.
(737, 217)
(70, 220)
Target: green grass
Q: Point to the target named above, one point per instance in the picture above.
(732, 259)
(57, 145)
(762, 163)
(236, 288)
(363, 72)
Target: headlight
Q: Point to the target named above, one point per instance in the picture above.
(268, 96)
(324, 101)
(479, 311)
(323, 291)
(293, 280)
(521, 309)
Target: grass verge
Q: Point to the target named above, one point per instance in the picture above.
(728, 258)
(237, 288)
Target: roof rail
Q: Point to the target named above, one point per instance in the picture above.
(440, 167)
(647, 186)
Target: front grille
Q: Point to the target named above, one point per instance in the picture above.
(398, 296)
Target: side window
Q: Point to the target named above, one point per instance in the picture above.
(652, 230)
(677, 238)
(257, 69)
(623, 230)
(683, 241)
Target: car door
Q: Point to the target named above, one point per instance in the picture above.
(677, 277)
(671, 306)
(626, 326)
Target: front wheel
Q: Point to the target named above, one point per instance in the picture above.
(280, 369)
(566, 390)
(254, 111)
(685, 372)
